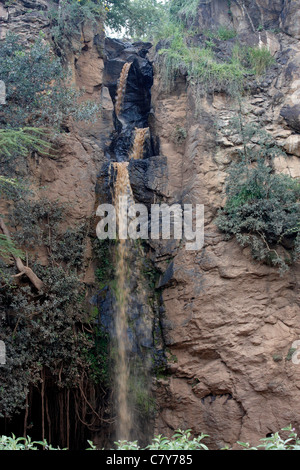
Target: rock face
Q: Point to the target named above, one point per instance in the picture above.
(71, 176)
(229, 323)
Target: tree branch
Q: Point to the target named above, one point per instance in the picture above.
(19, 263)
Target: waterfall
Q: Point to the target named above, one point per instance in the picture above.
(122, 87)
(127, 304)
(124, 262)
(122, 373)
(138, 145)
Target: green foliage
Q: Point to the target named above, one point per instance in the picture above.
(35, 221)
(224, 33)
(276, 442)
(41, 332)
(36, 90)
(184, 10)
(205, 69)
(262, 209)
(23, 443)
(98, 357)
(22, 140)
(67, 20)
(290, 353)
(260, 59)
(8, 248)
(12, 189)
(181, 440)
(53, 329)
(179, 135)
(136, 18)
(103, 254)
(201, 65)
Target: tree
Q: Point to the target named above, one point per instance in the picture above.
(135, 17)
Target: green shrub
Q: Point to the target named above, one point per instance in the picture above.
(67, 20)
(224, 33)
(52, 330)
(181, 440)
(185, 10)
(23, 443)
(36, 89)
(262, 211)
(22, 140)
(201, 66)
(140, 17)
(8, 248)
(179, 135)
(260, 59)
(276, 442)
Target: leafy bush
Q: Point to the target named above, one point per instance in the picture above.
(276, 442)
(262, 207)
(179, 135)
(181, 440)
(42, 333)
(23, 443)
(67, 19)
(185, 10)
(262, 211)
(20, 140)
(8, 187)
(260, 59)
(8, 248)
(36, 87)
(200, 64)
(203, 64)
(53, 329)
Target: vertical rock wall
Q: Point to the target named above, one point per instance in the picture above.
(229, 322)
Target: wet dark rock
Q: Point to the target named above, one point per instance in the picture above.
(136, 103)
(148, 179)
(167, 276)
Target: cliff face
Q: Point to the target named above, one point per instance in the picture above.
(228, 323)
(226, 317)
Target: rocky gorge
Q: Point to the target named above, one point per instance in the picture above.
(220, 326)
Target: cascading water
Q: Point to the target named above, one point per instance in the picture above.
(122, 188)
(127, 304)
(122, 87)
(138, 145)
